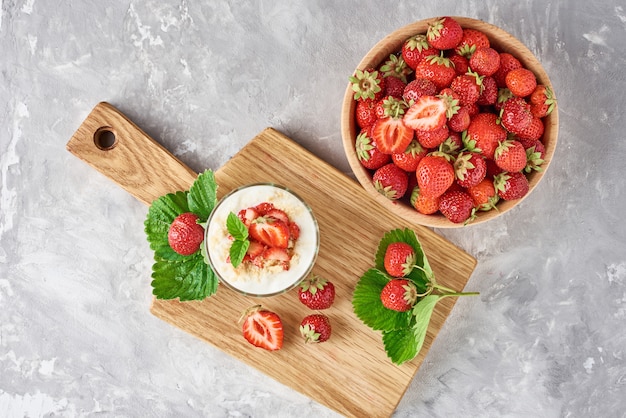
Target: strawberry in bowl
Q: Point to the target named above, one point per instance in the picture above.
(465, 103)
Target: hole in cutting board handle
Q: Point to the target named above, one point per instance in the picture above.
(105, 138)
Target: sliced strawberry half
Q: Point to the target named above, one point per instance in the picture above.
(270, 231)
(248, 215)
(262, 328)
(391, 135)
(278, 214)
(428, 113)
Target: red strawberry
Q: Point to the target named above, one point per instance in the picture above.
(515, 116)
(486, 133)
(390, 107)
(428, 113)
(434, 175)
(394, 87)
(367, 84)
(457, 206)
(185, 234)
(391, 135)
(535, 157)
(315, 328)
(263, 207)
(409, 159)
(470, 169)
(276, 257)
(255, 250)
(368, 153)
(434, 138)
(460, 121)
(485, 61)
(533, 132)
(460, 63)
(316, 293)
(418, 88)
(489, 93)
(365, 113)
(542, 101)
(521, 82)
(468, 88)
(248, 215)
(472, 40)
(437, 69)
(484, 195)
(391, 181)
(400, 258)
(507, 63)
(262, 328)
(399, 295)
(423, 203)
(415, 49)
(279, 215)
(444, 33)
(511, 186)
(510, 156)
(270, 232)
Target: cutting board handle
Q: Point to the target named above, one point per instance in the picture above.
(112, 144)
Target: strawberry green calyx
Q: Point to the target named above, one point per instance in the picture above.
(452, 104)
(363, 146)
(397, 67)
(550, 100)
(479, 79)
(533, 160)
(313, 284)
(365, 84)
(462, 165)
(419, 42)
(309, 334)
(394, 107)
(440, 60)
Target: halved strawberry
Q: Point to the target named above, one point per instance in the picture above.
(391, 135)
(248, 215)
(278, 214)
(277, 256)
(428, 113)
(262, 328)
(254, 250)
(270, 232)
(263, 208)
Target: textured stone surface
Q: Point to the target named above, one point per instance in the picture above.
(545, 338)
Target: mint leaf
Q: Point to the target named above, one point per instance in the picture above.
(188, 280)
(238, 251)
(369, 308)
(236, 228)
(423, 310)
(203, 195)
(161, 214)
(400, 345)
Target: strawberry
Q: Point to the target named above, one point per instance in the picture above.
(484, 195)
(460, 63)
(409, 159)
(400, 258)
(399, 295)
(444, 33)
(533, 132)
(521, 82)
(418, 88)
(434, 138)
(368, 153)
(470, 169)
(510, 156)
(262, 328)
(248, 215)
(485, 61)
(278, 214)
(275, 256)
(434, 175)
(395, 67)
(367, 84)
(185, 234)
(394, 87)
(315, 328)
(424, 204)
(535, 157)
(269, 231)
(468, 88)
(391, 181)
(486, 133)
(391, 135)
(542, 101)
(437, 69)
(471, 40)
(263, 207)
(415, 49)
(504, 95)
(365, 113)
(451, 146)
(316, 293)
(460, 121)
(390, 106)
(428, 113)
(489, 92)
(457, 206)
(507, 63)
(511, 186)
(515, 116)
(492, 168)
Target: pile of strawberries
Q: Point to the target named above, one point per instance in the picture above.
(449, 123)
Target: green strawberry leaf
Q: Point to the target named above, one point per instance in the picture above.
(400, 345)
(420, 276)
(369, 308)
(203, 195)
(191, 279)
(160, 216)
(423, 310)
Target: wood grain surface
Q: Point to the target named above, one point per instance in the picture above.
(350, 373)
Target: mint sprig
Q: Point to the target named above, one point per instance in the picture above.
(174, 275)
(237, 229)
(403, 333)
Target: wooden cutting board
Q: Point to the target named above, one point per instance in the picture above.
(350, 373)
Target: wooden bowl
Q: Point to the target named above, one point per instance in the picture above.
(392, 43)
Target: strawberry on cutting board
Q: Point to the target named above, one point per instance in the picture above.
(262, 328)
(316, 293)
(315, 328)
(185, 234)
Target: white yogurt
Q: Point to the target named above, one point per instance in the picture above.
(247, 278)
